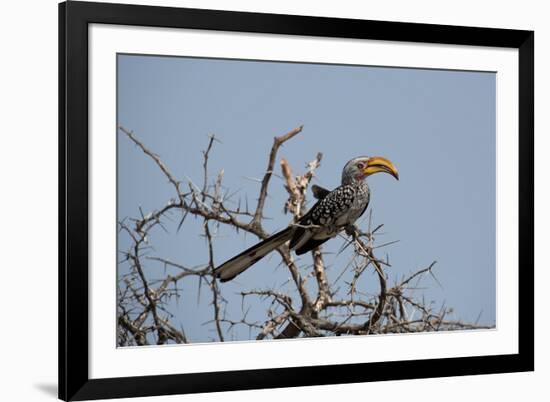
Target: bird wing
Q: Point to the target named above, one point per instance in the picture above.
(303, 236)
(233, 267)
(323, 215)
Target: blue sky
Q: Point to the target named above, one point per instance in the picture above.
(438, 127)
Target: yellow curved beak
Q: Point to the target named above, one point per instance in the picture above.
(378, 164)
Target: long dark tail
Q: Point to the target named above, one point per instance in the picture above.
(233, 267)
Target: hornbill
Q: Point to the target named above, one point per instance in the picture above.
(335, 210)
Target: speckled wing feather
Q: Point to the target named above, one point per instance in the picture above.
(328, 216)
(330, 208)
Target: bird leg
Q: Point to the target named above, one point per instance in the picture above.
(352, 230)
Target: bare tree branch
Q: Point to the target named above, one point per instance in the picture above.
(277, 142)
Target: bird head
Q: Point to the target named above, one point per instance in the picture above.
(361, 167)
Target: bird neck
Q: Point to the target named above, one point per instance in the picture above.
(352, 181)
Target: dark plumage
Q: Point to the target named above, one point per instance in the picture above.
(333, 211)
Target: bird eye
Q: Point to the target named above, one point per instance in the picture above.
(360, 165)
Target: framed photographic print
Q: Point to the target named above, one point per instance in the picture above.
(257, 200)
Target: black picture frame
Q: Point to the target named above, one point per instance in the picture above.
(74, 381)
